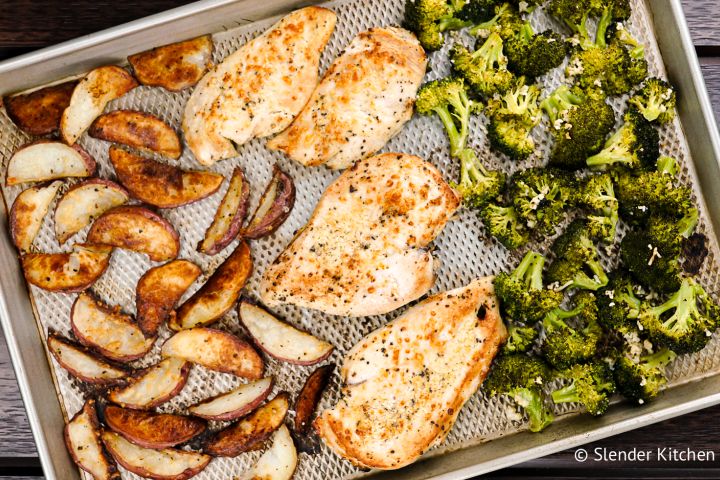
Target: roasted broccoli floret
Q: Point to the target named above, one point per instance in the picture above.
(477, 186)
(669, 235)
(598, 196)
(521, 378)
(580, 121)
(503, 223)
(576, 264)
(520, 339)
(683, 323)
(641, 379)
(485, 69)
(448, 99)
(506, 22)
(533, 55)
(522, 293)
(591, 385)
(647, 264)
(574, 13)
(645, 194)
(636, 144)
(428, 19)
(655, 100)
(512, 118)
(618, 304)
(565, 344)
(542, 196)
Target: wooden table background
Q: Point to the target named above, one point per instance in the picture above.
(26, 25)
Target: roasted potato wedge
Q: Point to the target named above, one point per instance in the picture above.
(159, 290)
(85, 202)
(176, 66)
(281, 340)
(217, 296)
(67, 272)
(278, 462)
(82, 438)
(236, 403)
(153, 430)
(153, 386)
(229, 217)
(274, 208)
(165, 464)
(309, 396)
(138, 229)
(82, 363)
(91, 95)
(48, 160)
(110, 332)
(139, 130)
(250, 431)
(216, 350)
(39, 112)
(28, 212)
(160, 184)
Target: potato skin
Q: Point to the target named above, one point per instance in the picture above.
(137, 129)
(250, 431)
(49, 169)
(47, 270)
(155, 401)
(309, 396)
(264, 223)
(223, 231)
(28, 213)
(39, 112)
(153, 430)
(54, 337)
(233, 414)
(89, 409)
(167, 67)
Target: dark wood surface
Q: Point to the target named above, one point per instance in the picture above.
(29, 24)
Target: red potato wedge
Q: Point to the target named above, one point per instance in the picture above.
(153, 430)
(82, 438)
(229, 217)
(159, 290)
(138, 229)
(165, 464)
(176, 66)
(274, 208)
(217, 296)
(153, 386)
(138, 130)
(48, 160)
(82, 363)
(67, 272)
(309, 396)
(250, 431)
(91, 95)
(39, 112)
(28, 212)
(281, 340)
(85, 202)
(278, 462)
(236, 403)
(160, 184)
(110, 332)
(216, 350)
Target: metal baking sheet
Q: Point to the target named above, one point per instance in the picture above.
(462, 249)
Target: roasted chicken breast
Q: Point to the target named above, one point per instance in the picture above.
(364, 99)
(406, 382)
(258, 90)
(363, 250)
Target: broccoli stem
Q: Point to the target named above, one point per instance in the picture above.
(530, 270)
(559, 101)
(687, 224)
(667, 165)
(554, 319)
(491, 51)
(659, 359)
(685, 305)
(472, 172)
(461, 114)
(614, 152)
(597, 280)
(603, 24)
(475, 31)
(532, 403)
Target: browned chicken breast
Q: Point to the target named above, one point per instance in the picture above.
(258, 90)
(365, 98)
(363, 250)
(407, 381)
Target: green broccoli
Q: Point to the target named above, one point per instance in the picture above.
(428, 19)
(532, 55)
(521, 378)
(542, 196)
(576, 262)
(641, 379)
(591, 385)
(520, 339)
(485, 69)
(512, 118)
(506, 22)
(503, 223)
(574, 13)
(477, 186)
(669, 235)
(655, 100)
(580, 121)
(522, 293)
(645, 194)
(647, 265)
(636, 144)
(598, 196)
(618, 304)
(565, 345)
(683, 323)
